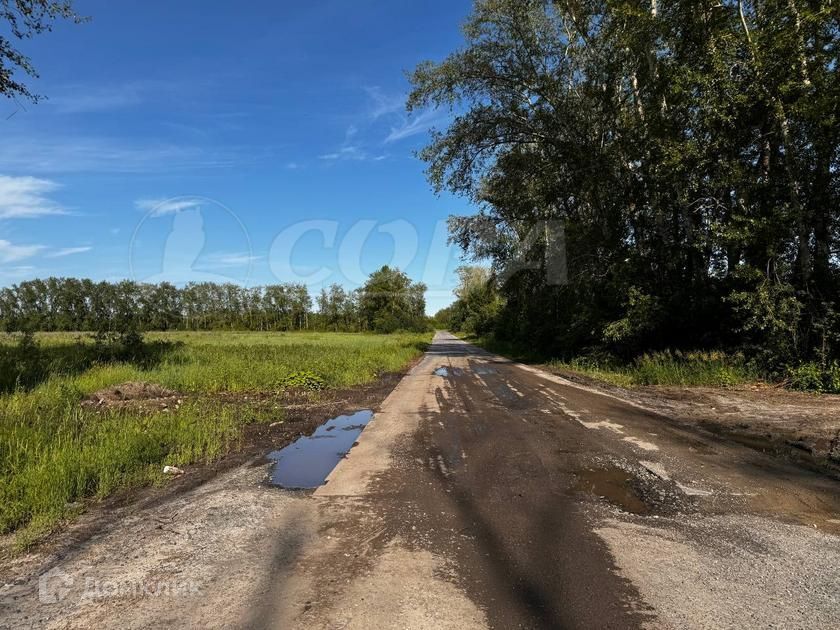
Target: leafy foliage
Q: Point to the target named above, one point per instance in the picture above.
(389, 301)
(303, 379)
(68, 304)
(690, 149)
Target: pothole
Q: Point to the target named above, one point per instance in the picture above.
(614, 485)
(449, 371)
(307, 462)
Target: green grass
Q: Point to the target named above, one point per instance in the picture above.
(54, 453)
(682, 369)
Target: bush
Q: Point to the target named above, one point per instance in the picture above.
(304, 379)
(813, 377)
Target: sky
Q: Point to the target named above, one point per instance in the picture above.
(256, 143)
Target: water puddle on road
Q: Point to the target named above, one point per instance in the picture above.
(306, 462)
(449, 371)
(613, 484)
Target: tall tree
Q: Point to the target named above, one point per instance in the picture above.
(390, 301)
(689, 148)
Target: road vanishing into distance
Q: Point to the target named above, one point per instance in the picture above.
(485, 493)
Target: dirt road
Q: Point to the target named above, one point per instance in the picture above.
(483, 494)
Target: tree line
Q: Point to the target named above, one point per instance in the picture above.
(690, 150)
(388, 301)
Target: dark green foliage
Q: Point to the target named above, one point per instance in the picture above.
(304, 379)
(27, 363)
(22, 365)
(67, 304)
(389, 301)
(478, 305)
(690, 150)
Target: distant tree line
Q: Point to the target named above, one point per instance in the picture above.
(389, 301)
(690, 149)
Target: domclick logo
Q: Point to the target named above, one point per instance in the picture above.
(53, 586)
(195, 239)
(189, 239)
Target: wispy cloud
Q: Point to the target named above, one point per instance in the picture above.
(219, 260)
(9, 252)
(84, 154)
(384, 104)
(345, 153)
(16, 273)
(68, 251)
(26, 198)
(160, 207)
(349, 149)
(80, 99)
(416, 124)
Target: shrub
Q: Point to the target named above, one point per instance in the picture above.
(304, 379)
(813, 377)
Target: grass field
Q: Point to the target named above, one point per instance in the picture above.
(682, 369)
(55, 453)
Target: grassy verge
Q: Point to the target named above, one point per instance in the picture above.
(55, 453)
(684, 369)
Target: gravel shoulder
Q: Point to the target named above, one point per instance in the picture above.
(799, 426)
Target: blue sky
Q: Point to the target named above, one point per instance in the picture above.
(255, 142)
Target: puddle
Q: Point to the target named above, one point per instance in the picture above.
(306, 462)
(482, 371)
(614, 485)
(452, 371)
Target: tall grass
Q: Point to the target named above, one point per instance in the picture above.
(54, 453)
(685, 369)
(675, 368)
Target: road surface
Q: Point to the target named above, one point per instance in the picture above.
(483, 494)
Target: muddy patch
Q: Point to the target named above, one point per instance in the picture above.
(134, 395)
(615, 485)
(306, 462)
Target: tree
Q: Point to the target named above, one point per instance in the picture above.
(25, 19)
(390, 301)
(690, 149)
(477, 308)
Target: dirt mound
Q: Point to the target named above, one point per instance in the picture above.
(135, 394)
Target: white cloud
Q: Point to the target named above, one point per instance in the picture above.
(384, 104)
(413, 125)
(80, 99)
(68, 251)
(348, 149)
(160, 207)
(81, 154)
(9, 252)
(17, 273)
(345, 153)
(227, 259)
(25, 198)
